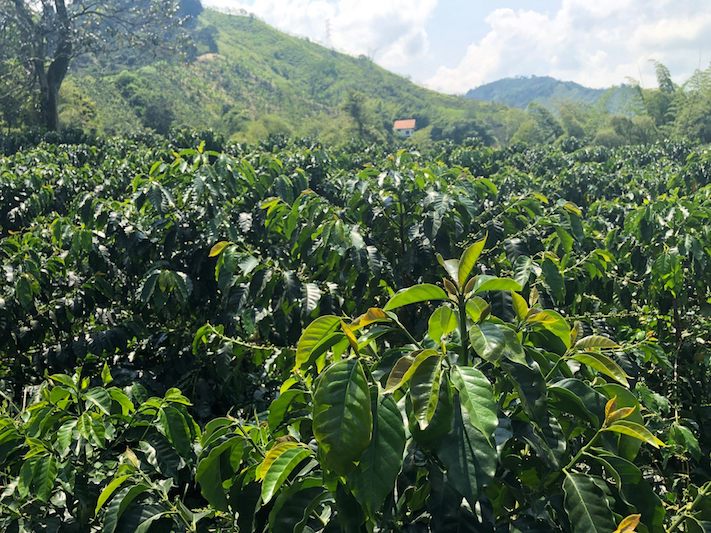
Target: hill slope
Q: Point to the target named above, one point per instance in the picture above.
(250, 80)
(521, 91)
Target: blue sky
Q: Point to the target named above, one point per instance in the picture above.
(455, 45)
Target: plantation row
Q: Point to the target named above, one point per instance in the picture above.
(292, 338)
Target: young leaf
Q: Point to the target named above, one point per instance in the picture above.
(604, 365)
(492, 283)
(595, 341)
(217, 248)
(441, 323)
(628, 524)
(468, 260)
(417, 293)
(280, 467)
(638, 431)
(314, 334)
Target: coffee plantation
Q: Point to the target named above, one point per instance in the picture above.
(289, 337)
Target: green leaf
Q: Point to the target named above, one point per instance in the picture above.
(492, 283)
(119, 503)
(279, 462)
(633, 488)
(477, 398)
(441, 323)
(342, 418)
(579, 399)
(99, 397)
(312, 296)
(638, 431)
(586, 504)
(522, 268)
(106, 375)
(595, 341)
(315, 333)
(213, 469)
(520, 306)
(64, 437)
(684, 437)
(175, 427)
(604, 365)
(468, 260)
(553, 280)
(24, 292)
(493, 341)
(417, 293)
(109, 490)
(374, 477)
(406, 366)
(295, 504)
(478, 309)
(553, 322)
(44, 478)
(469, 459)
(424, 390)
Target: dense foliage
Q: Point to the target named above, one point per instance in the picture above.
(277, 338)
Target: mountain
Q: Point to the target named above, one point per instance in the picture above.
(248, 80)
(519, 92)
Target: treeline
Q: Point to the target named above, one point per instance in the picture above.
(670, 110)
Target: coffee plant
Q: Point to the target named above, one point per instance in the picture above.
(270, 338)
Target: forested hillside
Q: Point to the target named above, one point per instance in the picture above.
(245, 78)
(553, 93)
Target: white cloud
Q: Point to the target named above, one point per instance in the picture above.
(594, 42)
(392, 32)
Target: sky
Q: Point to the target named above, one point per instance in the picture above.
(456, 45)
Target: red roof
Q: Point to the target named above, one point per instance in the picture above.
(406, 124)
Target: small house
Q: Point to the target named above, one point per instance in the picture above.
(405, 127)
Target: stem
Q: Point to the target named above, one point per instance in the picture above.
(703, 492)
(407, 333)
(463, 330)
(582, 450)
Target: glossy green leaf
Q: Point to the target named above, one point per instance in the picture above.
(477, 398)
(342, 418)
(492, 341)
(604, 365)
(468, 260)
(441, 323)
(109, 490)
(638, 431)
(469, 459)
(379, 465)
(313, 335)
(553, 280)
(553, 322)
(424, 389)
(425, 292)
(278, 464)
(406, 366)
(491, 283)
(586, 505)
(595, 341)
